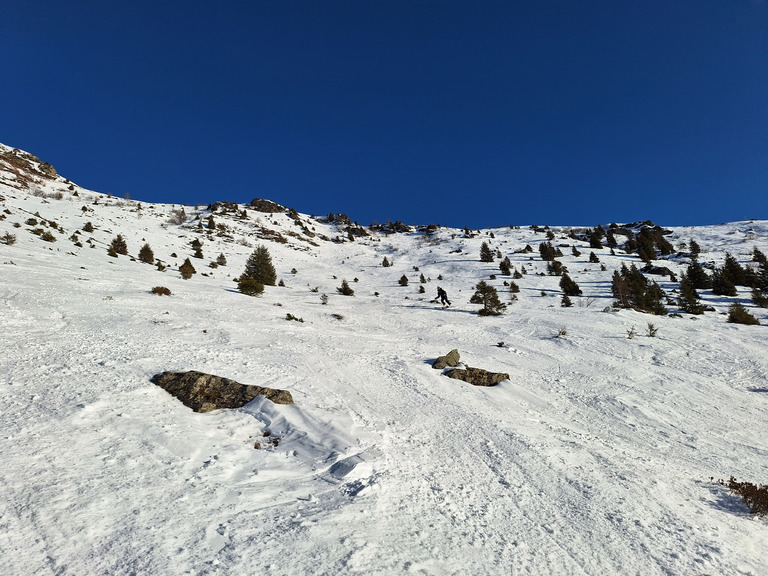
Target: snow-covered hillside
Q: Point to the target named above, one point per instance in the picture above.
(594, 458)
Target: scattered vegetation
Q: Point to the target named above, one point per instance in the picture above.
(161, 291)
(486, 295)
(345, 289)
(737, 314)
(755, 496)
(187, 270)
(290, 316)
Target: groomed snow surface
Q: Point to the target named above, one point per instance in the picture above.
(595, 457)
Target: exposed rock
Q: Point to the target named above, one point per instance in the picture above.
(451, 359)
(268, 206)
(205, 392)
(477, 376)
(48, 170)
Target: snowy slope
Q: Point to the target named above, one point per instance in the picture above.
(594, 458)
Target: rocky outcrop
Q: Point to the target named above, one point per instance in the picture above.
(449, 360)
(205, 392)
(477, 376)
(262, 205)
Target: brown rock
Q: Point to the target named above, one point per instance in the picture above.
(451, 359)
(205, 392)
(477, 376)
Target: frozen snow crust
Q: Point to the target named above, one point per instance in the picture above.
(594, 458)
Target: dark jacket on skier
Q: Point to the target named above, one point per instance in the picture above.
(443, 296)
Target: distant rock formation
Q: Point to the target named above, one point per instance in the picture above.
(263, 205)
(205, 392)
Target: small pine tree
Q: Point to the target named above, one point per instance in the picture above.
(737, 314)
(259, 267)
(345, 289)
(514, 288)
(486, 254)
(403, 280)
(593, 258)
(118, 245)
(198, 252)
(486, 295)
(694, 247)
(689, 299)
(565, 302)
(697, 277)
(575, 252)
(146, 255)
(569, 286)
(88, 227)
(547, 251)
(422, 279)
(722, 283)
(186, 269)
(505, 266)
(385, 263)
(221, 260)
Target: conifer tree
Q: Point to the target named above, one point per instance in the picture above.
(146, 255)
(505, 266)
(259, 267)
(694, 247)
(385, 263)
(486, 295)
(547, 251)
(118, 245)
(722, 283)
(697, 277)
(575, 252)
(689, 299)
(403, 280)
(593, 258)
(186, 269)
(345, 289)
(569, 286)
(486, 254)
(737, 314)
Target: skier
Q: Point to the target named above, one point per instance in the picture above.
(443, 297)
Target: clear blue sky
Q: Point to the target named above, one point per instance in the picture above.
(478, 113)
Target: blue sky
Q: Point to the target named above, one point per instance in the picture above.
(475, 113)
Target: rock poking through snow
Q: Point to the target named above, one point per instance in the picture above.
(451, 359)
(205, 392)
(477, 376)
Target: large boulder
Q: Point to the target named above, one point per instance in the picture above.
(205, 392)
(451, 359)
(477, 376)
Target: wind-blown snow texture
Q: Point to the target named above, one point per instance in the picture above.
(594, 459)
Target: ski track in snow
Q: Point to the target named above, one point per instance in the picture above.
(593, 459)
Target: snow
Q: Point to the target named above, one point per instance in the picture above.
(594, 458)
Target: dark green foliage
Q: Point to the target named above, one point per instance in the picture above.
(88, 227)
(575, 252)
(221, 260)
(196, 243)
(249, 286)
(422, 279)
(345, 289)
(565, 301)
(47, 236)
(758, 256)
(694, 247)
(8, 239)
(146, 255)
(596, 237)
(516, 274)
(759, 298)
(403, 280)
(593, 258)
(755, 496)
(569, 286)
(556, 268)
(486, 295)
(646, 245)
(689, 299)
(385, 263)
(722, 283)
(198, 252)
(259, 267)
(547, 251)
(290, 316)
(186, 269)
(550, 235)
(697, 277)
(736, 272)
(737, 314)
(486, 254)
(211, 224)
(610, 239)
(161, 291)
(118, 245)
(514, 288)
(632, 290)
(421, 289)
(505, 266)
